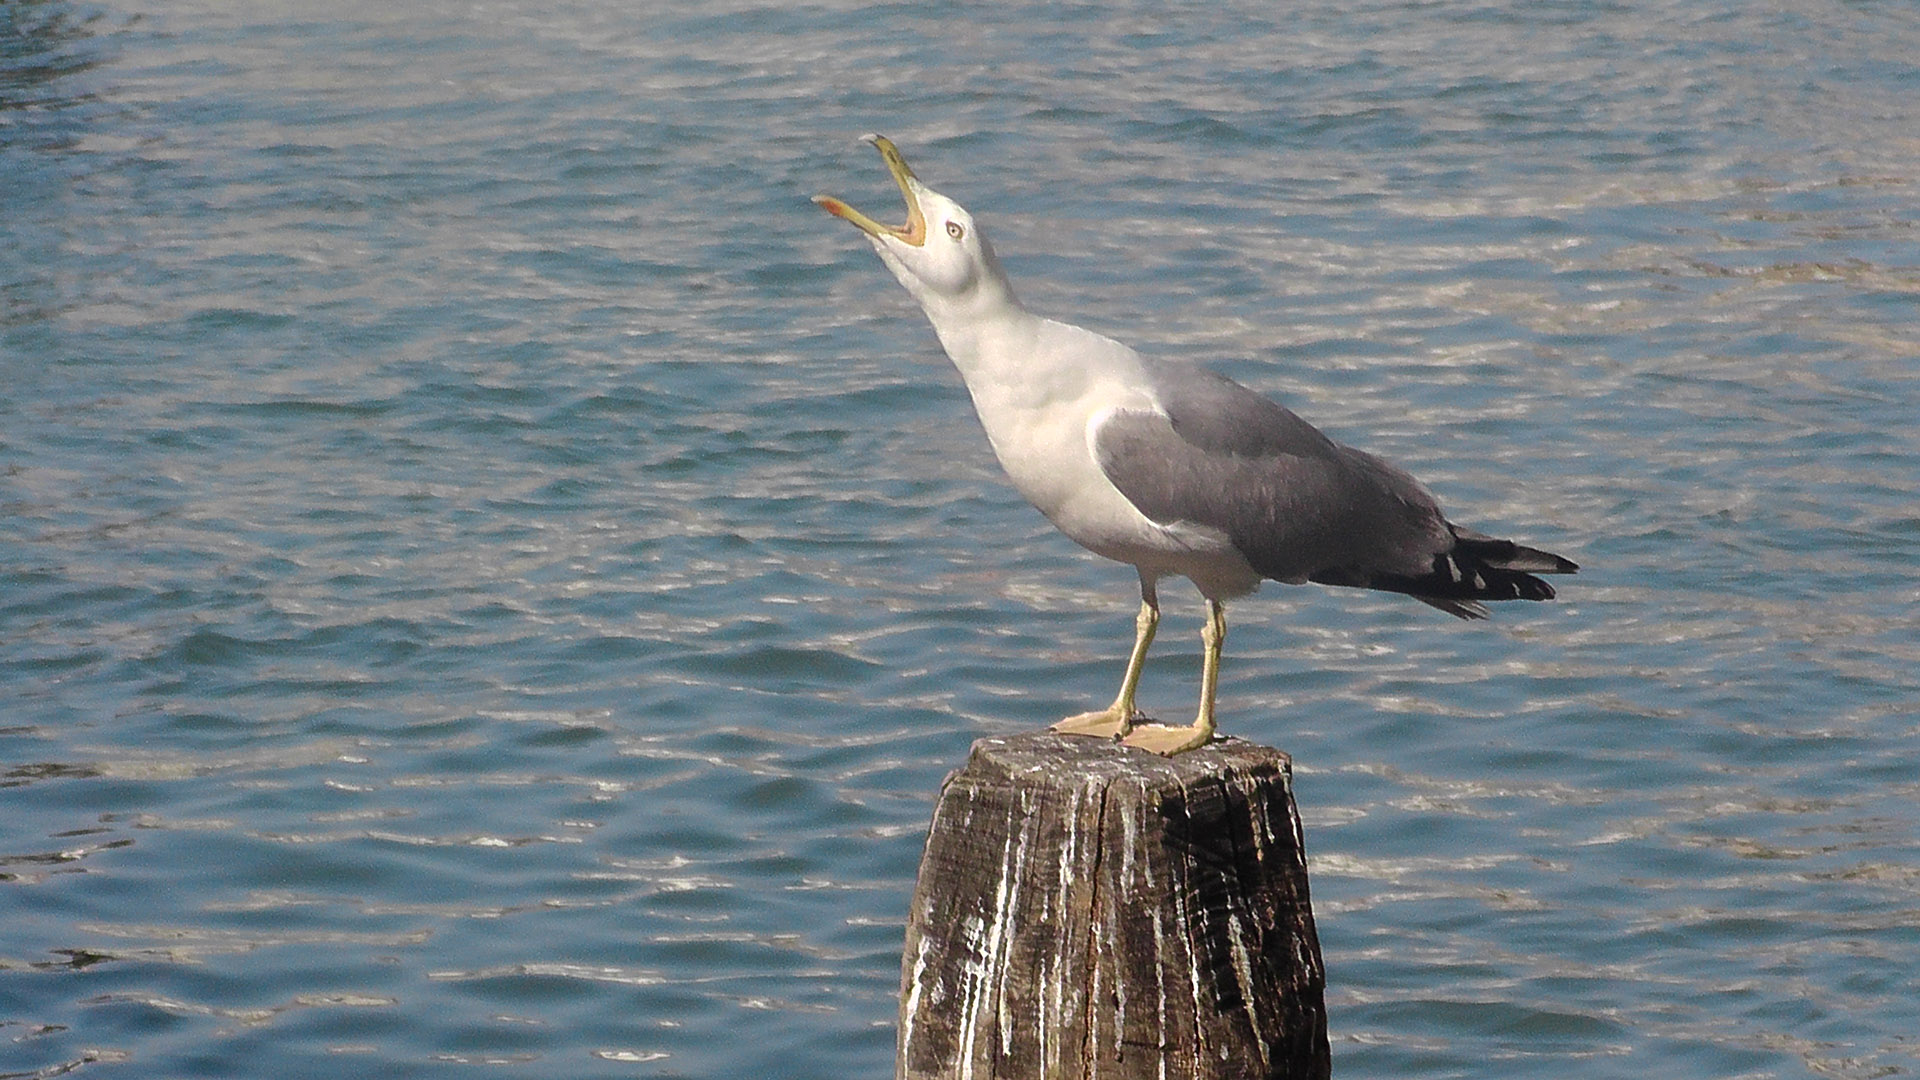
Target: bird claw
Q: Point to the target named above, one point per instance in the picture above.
(1166, 740)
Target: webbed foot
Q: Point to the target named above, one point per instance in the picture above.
(1167, 740)
(1111, 722)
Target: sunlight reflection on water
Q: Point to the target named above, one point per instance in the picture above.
(492, 576)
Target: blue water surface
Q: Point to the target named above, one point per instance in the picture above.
(491, 578)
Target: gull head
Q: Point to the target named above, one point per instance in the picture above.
(939, 254)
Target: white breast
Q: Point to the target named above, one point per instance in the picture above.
(1040, 389)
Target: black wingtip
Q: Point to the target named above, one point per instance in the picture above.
(1477, 570)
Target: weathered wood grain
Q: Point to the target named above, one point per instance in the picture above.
(1085, 910)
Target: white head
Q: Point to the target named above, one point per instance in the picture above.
(940, 255)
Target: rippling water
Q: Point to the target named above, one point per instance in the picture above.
(489, 575)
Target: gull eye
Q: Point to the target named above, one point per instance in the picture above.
(956, 230)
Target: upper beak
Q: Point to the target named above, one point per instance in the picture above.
(915, 230)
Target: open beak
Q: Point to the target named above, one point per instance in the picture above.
(915, 230)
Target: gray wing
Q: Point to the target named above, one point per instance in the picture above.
(1299, 506)
(1294, 502)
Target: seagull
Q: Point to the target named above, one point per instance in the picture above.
(1173, 468)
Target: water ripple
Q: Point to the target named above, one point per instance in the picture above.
(490, 576)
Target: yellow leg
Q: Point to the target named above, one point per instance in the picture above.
(1118, 718)
(1168, 740)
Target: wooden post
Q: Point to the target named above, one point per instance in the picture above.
(1087, 911)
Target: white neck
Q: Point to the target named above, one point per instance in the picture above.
(975, 325)
(979, 326)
